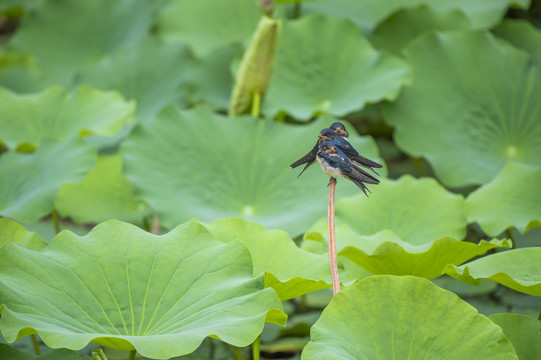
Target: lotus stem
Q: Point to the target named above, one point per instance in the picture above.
(54, 215)
(255, 348)
(155, 227)
(256, 104)
(332, 241)
(132, 355)
(419, 166)
(36, 345)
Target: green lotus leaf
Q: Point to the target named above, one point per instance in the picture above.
(518, 269)
(9, 353)
(383, 253)
(324, 65)
(512, 198)
(30, 181)
(135, 73)
(10, 231)
(220, 167)
(93, 30)
(212, 77)
(225, 22)
(522, 331)
(386, 253)
(255, 69)
(403, 26)
(288, 269)
(477, 125)
(441, 326)
(59, 114)
(522, 34)
(369, 13)
(406, 206)
(127, 289)
(19, 72)
(103, 194)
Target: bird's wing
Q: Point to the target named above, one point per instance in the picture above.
(358, 173)
(308, 158)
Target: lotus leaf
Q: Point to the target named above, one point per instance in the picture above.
(9, 353)
(518, 269)
(288, 269)
(160, 295)
(406, 206)
(18, 72)
(10, 231)
(484, 116)
(386, 253)
(522, 34)
(324, 65)
(103, 194)
(180, 20)
(512, 198)
(195, 163)
(441, 326)
(403, 26)
(67, 24)
(135, 73)
(369, 13)
(59, 114)
(383, 253)
(29, 182)
(523, 331)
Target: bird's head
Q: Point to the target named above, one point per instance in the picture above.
(339, 129)
(326, 134)
(327, 147)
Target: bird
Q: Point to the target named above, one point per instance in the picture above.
(340, 129)
(341, 142)
(336, 164)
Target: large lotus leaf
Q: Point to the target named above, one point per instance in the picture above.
(521, 33)
(10, 231)
(29, 182)
(103, 194)
(403, 26)
(417, 210)
(199, 164)
(290, 270)
(59, 114)
(65, 35)
(382, 317)
(150, 73)
(206, 25)
(9, 353)
(369, 13)
(324, 64)
(523, 332)
(511, 199)
(124, 288)
(518, 269)
(386, 253)
(485, 115)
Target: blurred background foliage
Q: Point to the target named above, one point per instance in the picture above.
(143, 111)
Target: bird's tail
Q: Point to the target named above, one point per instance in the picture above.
(362, 175)
(361, 185)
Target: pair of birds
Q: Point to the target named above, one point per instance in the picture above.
(339, 159)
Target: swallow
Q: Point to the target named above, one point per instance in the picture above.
(336, 164)
(341, 142)
(340, 129)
